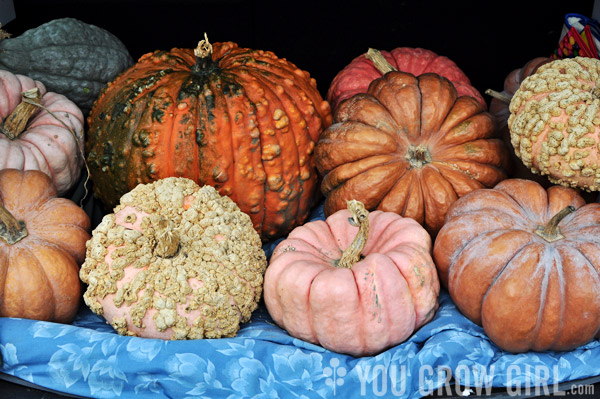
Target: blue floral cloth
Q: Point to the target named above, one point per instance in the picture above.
(89, 359)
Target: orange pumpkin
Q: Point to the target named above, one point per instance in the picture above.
(356, 283)
(243, 121)
(42, 244)
(410, 146)
(524, 263)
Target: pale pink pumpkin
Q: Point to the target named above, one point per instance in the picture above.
(361, 71)
(52, 139)
(360, 306)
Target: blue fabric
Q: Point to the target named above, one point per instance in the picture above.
(89, 359)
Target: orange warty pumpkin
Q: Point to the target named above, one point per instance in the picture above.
(42, 244)
(524, 263)
(243, 121)
(410, 146)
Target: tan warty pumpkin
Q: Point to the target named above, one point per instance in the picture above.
(243, 121)
(410, 146)
(554, 122)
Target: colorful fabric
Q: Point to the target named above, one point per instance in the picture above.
(89, 359)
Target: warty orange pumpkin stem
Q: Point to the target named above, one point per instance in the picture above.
(11, 229)
(551, 232)
(203, 54)
(17, 121)
(360, 218)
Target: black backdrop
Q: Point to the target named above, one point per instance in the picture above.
(487, 39)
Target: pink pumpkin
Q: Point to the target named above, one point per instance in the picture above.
(48, 137)
(356, 76)
(356, 283)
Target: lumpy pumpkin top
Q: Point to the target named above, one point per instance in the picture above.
(555, 122)
(174, 261)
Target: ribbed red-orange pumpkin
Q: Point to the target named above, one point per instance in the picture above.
(361, 71)
(244, 121)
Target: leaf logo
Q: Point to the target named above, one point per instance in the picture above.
(334, 374)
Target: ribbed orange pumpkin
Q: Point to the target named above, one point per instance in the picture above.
(410, 146)
(524, 263)
(244, 121)
(42, 244)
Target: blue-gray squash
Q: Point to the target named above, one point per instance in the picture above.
(69, 56)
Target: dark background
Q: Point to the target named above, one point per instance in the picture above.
(487, 39)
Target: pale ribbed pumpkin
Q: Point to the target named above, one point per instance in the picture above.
(355, 283)
(42, 244)
(240, 120)
(48, 137)
(524, 263)
(411, 146)
(361, 71)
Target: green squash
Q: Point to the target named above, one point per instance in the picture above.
(69, 56)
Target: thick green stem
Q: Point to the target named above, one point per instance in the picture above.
(360, 218)
(551, 232)
(11, 229)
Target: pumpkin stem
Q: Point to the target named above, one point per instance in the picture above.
(4, 34)
(505, 98)
(11, 229)
(379, 61)
(203, 52)
(360, 218)
(16, 122)
(551, 232)
(167, 239)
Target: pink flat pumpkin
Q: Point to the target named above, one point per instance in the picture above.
(355, 283)
(47, 137)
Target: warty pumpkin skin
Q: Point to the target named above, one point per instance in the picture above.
(411, 146)
(521, 263)
(174, 261)
(361, 71)
(355, 283)
(554, 123)
(49, 140)
(243, 121)
(42, 244)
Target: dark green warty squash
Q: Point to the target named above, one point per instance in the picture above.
(69, 57)
(243, 121)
